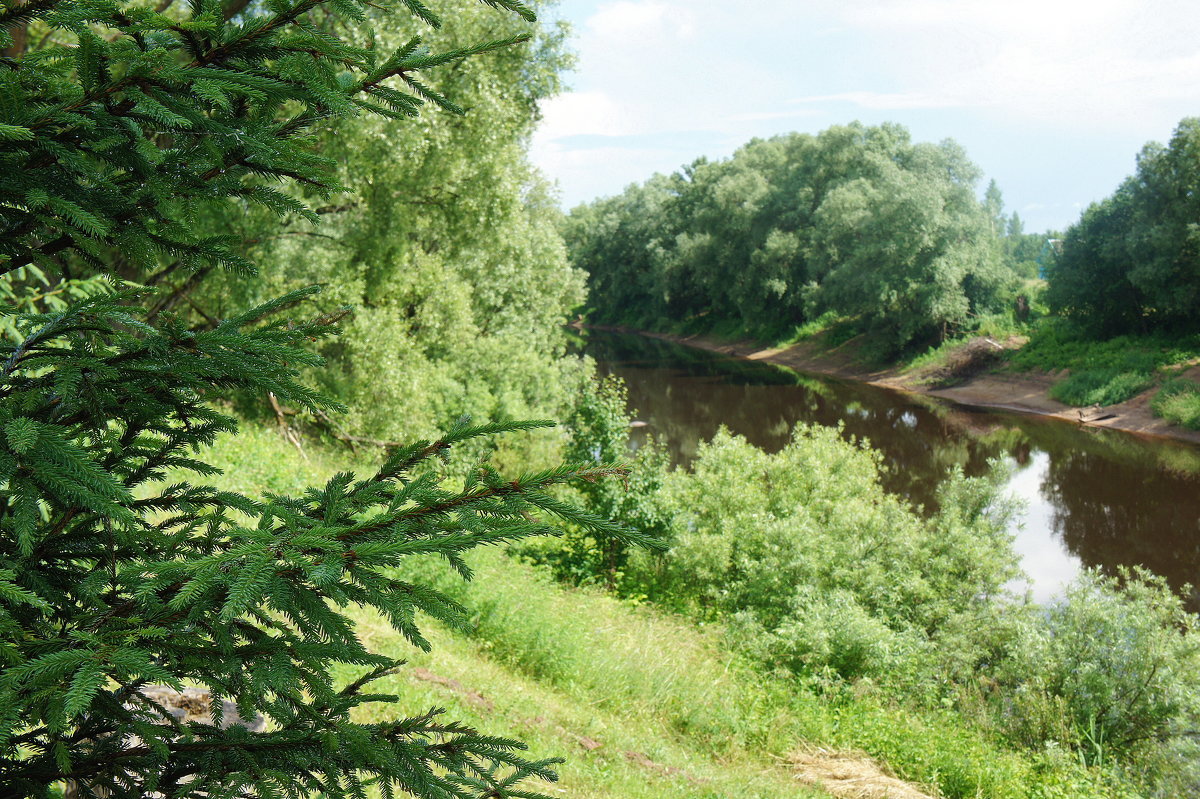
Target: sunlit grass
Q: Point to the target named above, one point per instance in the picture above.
(1178, 401)
(1102, 372)
(642, 704)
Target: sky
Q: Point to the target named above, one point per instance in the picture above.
(1051, 98)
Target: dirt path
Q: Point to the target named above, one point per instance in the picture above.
(1025, 392)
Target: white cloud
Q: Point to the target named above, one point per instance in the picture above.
(882, 100)
(1062, 76)
(1114, 62)
(578, 113)
(769, 116)
(642, 20)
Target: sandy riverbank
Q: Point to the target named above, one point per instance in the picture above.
(1021, 392)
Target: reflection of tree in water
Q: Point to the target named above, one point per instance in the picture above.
(686, 395)
(1111, 513)
(1118, 499)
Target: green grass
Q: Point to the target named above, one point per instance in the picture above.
(615, 746)
(667, 676)
(675, 713)
(1178, 401)
(1103, 372)
(1101, 386)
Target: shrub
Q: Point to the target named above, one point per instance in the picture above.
(1110, 671)
(1101, 386)
(1178, 401)
(822, 567)
(598, 429)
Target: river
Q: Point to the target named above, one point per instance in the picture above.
(1091, 497)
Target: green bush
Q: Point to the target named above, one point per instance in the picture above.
(1178, 401)
(1101, 387)
(831, 584)
(1110, 672)
(1103, 372)
(818, 565)
(598, 432)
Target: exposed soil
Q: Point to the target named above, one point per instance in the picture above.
(972, 383)
(849, 776)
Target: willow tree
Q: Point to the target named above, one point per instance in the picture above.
(857, 220)
(127, 124)
(445, 244)
(1131, 264)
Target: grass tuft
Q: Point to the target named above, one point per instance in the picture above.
(1101, 386)
(1178, 401)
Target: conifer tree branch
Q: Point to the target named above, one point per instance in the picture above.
(128, 126)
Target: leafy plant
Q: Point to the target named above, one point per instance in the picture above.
(856, 222)
(1129, 264)
(1178, 401)
(1100, 387)
(127, 124)
(1109, 672)
(817, 567)
(599, 434)
(110, 581)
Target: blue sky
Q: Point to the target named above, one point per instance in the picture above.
(1051, 98)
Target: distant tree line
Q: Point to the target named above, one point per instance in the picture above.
(1132, 262)
(855, 222)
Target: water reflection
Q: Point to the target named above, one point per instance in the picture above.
(1093, 497)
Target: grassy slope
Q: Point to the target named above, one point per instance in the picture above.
(673, 713)
(561, 670)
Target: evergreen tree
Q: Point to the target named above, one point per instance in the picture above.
(127, 124)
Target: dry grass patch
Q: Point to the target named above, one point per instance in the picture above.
(850, 776)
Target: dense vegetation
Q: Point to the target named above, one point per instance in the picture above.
(1132, 262)
(857, 230)
(445, 245)
(1123, 289)
(146, 142)
(647, 702)
(818, 575)
(855, 222)
(177, 177)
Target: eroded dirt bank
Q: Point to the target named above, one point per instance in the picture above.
(1020, 392)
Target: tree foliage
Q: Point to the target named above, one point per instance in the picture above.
(856, 220)
(445, 245)
(818, 573)
(125, 131)
(1132, 262)
(819, 568)
(598, 430)
(442, 242)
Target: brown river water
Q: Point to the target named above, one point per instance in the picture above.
(1092, 497)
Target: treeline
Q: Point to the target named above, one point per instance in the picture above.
(855, 222)
(1132, 262)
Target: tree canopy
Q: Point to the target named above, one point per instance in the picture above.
(857, 220)
(1132, 262)
(128, 133)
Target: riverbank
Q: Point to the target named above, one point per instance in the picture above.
(1024, 392)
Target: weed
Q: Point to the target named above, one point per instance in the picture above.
(1178, 401)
